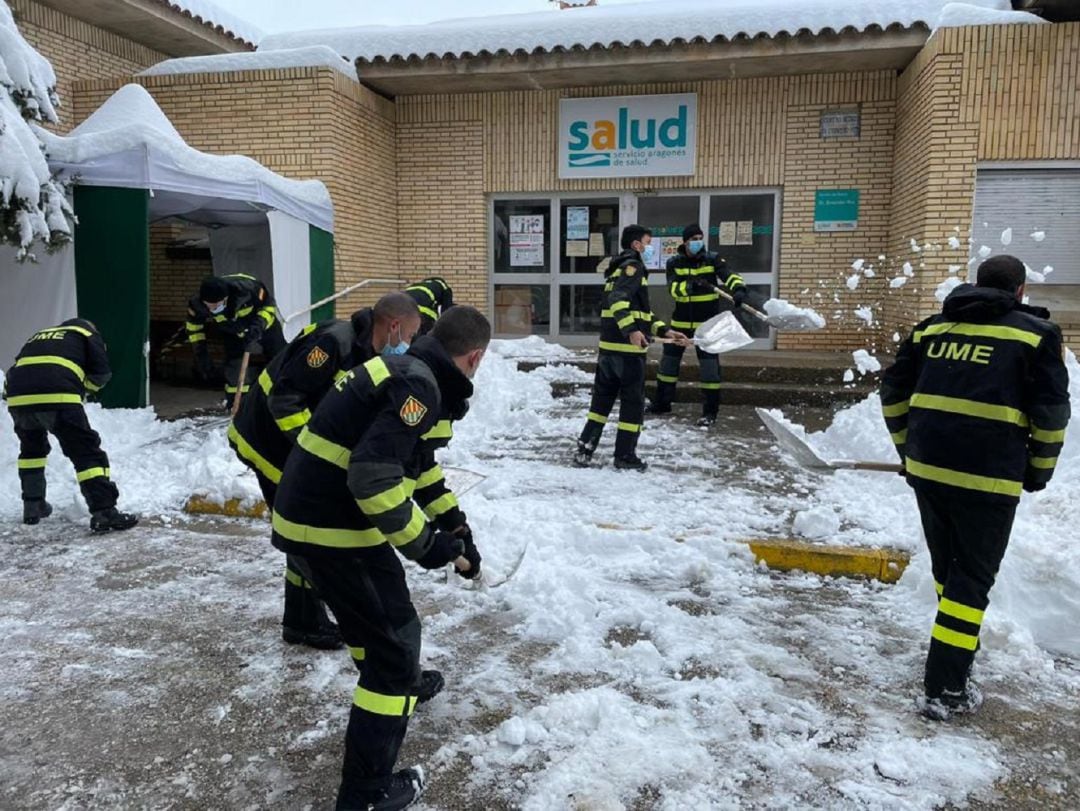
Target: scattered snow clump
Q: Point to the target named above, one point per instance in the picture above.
(865, 362)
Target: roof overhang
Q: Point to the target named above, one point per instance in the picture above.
(891, 49)
(152, 24)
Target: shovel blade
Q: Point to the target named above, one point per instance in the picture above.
(792, 443)
(722, 333)
(793, 323)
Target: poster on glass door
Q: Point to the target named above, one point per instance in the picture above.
(527, 240)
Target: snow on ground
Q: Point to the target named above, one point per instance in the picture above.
(638, 659)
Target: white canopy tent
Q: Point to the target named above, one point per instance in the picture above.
(130, 144)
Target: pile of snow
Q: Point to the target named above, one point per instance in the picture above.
(130, 141)
(605, 25)
(780, 308)
(38, 206)
(531, 347)
(956, 15)
(215, 16)
(312, 56)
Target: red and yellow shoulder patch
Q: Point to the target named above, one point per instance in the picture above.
(412, 411)
(317, 357)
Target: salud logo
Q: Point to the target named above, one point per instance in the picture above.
(628, 136)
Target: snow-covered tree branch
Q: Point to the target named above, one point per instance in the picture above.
(33, 205)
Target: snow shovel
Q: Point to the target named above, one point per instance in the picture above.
(463, 481)
(240, 383)
(808, 457)
(790, 322)
(721, 333)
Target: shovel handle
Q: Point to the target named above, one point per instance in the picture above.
(240, 383)
(880, 467)
(756, 313)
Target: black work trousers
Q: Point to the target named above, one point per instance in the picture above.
(967, 537)
(78, 441)
(619, 376)
(272, 342)
(370, 598)
(708, 369)
(304, 609)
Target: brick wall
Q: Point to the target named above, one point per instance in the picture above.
(78, 51)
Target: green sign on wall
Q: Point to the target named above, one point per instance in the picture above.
(836, 209)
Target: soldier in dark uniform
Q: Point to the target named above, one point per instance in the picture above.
(243, 310)
(45, 390)
(351, 499)
(977, 403)
(434, 297)
(272, 416)
(626, 320)
(693, 275)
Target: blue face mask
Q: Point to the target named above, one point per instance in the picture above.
(649, 253)
(696, 246)
(399, 348)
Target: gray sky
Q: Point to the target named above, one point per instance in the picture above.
(273, 16)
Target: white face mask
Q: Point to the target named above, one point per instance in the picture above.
(218, 310)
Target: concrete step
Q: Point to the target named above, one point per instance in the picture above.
(771, 395)
(739, 371)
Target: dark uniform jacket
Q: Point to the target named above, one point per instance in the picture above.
(625, 305)
(696, 303)
(433, 297)
(364, 470)
(978, 399)
(272, 415)
(57, 367)
(248, 313)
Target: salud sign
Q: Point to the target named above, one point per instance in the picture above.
(628, 136)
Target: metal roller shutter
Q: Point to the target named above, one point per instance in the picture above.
(1028, 201)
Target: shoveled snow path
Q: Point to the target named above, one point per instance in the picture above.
(620, 668)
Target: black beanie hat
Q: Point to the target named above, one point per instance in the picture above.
(691, 231)
(213, 289)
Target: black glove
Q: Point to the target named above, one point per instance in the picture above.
(203, 362)
(471, 553)
(252, 337)
(445, 548)
(1031, 485)
(739, 296)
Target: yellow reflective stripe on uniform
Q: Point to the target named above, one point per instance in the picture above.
(969, 408)
(954, 638)
(247, 276)
(337, 455)
(192, 327)
(44, 399)
(940, 589)
(244, 311)
(628, 348)
(430, 477)
(377, 370)
(381, 704)
(632, 427)
(444, 503)
(980, 331)
(638, 314)
(232, 389)
(91, 387)
(600, 418)
(265, 382)
(325, 536)
(250, 454)
(409, 485)
(709, 386)
(704, 270)
(31, 464)
(620, 305)
(413, 530)
(430, 313)
(657, 326)
(293, 420)
(310, 328)
(1047, 437)
(267, 314)
(383, 502)
(699, 297)
(53, 360)
(626, 322)
(667, 378)
(900, 437)
(686, 324)
(967, 481)
(221, 318)
(296, 579)
(443, 429)
(339, 374)
(92, 473)
(358, 654)
(896, 409)
(960, 611)
(195, 337)
(419, 288)
(1043, 462)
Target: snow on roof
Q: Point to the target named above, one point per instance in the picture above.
(100, 152)
(209, 13)
(955, 15)
(660, 22)
(311, 56)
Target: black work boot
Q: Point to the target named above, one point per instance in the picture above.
(305, 621)
(399, 791)
(431, 684)
(630, 462)
(583, 454)
(951, 703)
(709, 407)
(112, 520)
(35, 509)
(661, 403)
